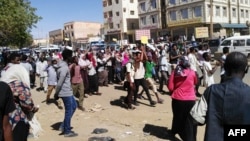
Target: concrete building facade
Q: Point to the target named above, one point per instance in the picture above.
(222, 17)
(152, 16)
(56, 37)
(120, 20)
(76, 33)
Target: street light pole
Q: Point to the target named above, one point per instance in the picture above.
(211, 18)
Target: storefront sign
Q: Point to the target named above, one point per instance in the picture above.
(201, 32)
(184, 22)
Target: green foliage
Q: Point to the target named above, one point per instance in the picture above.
(17, 17)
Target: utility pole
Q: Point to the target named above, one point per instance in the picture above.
(121, 25)
(211, 18)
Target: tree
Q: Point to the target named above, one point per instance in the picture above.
(17, 18)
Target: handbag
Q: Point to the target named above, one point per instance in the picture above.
(199, 111)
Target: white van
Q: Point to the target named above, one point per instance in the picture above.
(236, 43)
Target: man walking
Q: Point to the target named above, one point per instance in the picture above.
(65, 92)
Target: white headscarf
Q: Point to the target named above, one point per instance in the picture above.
(80, 60)
(13, 72)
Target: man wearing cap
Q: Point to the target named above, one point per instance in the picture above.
(139, 76)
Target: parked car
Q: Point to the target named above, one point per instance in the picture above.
(214, 45)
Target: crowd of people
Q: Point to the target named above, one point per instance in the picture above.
(75, 75)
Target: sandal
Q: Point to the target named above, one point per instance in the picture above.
(160, 101)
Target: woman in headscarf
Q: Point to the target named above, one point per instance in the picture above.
(182, 88)
(17, 77)
(84, 63)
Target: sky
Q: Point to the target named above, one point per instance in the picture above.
(55, 13)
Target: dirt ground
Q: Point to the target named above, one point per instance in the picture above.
(145, 123)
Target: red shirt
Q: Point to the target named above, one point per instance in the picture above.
(183, 88)
(77, 78)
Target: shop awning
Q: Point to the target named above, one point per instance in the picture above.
(232, 25)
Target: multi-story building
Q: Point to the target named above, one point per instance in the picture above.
(76, 33)
(56, 37)
(120, 20)
(222, 17)
(152, 16)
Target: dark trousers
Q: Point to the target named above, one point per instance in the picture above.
(163, 79)
(182, 123)
(141, 82)
(93, 83)
(198, 83)
(21, 131)
(110, 74)
(32, 79)
(130, 93)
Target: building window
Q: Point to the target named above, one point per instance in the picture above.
(234, 12)
(117, 14)
(143, 6)
(131, 1)
(111, 25)
(241, 1)
(153, 4)
(224, 12)
(118, 25)
(184, 0)
(153, 19)
(132, 12)
(233, 0)
(110, 14)
(173, 15)
(109, 2)
(247, 14)
(132, 25)
(217, 11)
(172, 2)
(105, 15)
(143, 21)
(104, 3)
(71, 26)
(117, 1)
(208, 10)
(124, 9)
(246, 1)
(184, 13)
(72, 34)
(197, 11)
(242, 13)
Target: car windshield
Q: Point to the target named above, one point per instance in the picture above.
(226, 43)
(213, 43)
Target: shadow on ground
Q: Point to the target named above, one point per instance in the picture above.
(119, 102)
(159, 132)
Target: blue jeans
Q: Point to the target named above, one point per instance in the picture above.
(70, 107)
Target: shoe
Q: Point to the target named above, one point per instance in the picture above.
(71, 134)
(152, 103)
(106, 85)
(160, 101)
(136, 104)
(139, 96)
(130, 107)
(97, 93)
(47, 102)
(38, 89)
(60, 107)
(81, 108)
(85, 96)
